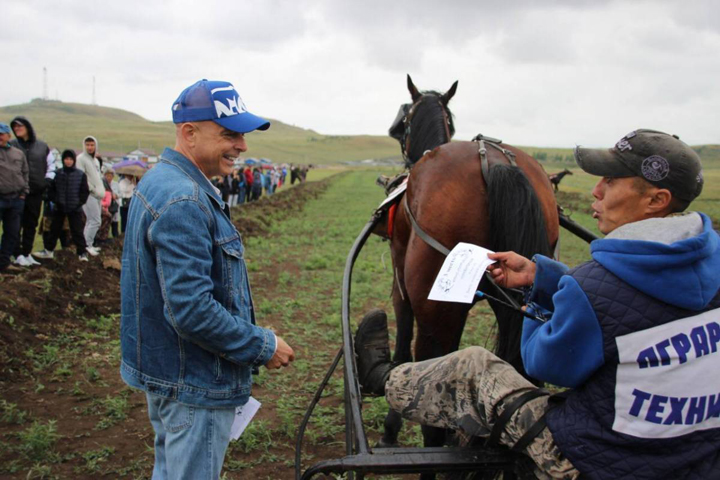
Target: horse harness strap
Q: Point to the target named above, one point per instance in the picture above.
(483, 142)
(421, 233)
(509, 411)
(482, 151)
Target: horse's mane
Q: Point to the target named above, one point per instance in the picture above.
(427, 126)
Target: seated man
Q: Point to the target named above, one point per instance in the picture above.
(634, 333)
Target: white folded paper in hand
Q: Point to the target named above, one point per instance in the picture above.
(243, 416)
(460, 274)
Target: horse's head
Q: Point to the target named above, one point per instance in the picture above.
(423, 124)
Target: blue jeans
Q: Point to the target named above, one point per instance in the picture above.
(11, 210)
(190, 442)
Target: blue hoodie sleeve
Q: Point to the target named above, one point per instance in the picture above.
(547, 278)
(568, 348)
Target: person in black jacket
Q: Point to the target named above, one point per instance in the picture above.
(36, 152)
(257, 185)
(69, 191)
(239, 187)
(224, 185)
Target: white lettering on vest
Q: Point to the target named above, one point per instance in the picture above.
(666, 383)
(699, 341)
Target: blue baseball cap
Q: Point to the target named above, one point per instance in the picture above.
(4, 128)
(217, 101)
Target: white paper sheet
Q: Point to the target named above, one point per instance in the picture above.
(460, 274)
(243, 416)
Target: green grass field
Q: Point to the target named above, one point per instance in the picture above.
(296, 270)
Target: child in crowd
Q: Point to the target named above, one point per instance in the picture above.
(105, 215)
(69, 192)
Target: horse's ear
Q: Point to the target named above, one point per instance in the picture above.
(414, 92)
(449, 94)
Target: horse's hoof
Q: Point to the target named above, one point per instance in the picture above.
(384, 444)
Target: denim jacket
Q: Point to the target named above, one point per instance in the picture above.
(188, 327)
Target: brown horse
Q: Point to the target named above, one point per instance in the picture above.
(510, 208)
(556, 178)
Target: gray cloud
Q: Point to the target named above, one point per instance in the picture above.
(544, 73)
(697, 14)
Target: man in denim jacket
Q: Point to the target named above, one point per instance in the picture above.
(188, 332)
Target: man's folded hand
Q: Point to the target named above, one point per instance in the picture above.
(283, 355)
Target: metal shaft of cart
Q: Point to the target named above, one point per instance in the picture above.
(360, 457)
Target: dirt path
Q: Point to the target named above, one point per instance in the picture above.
(64, 411)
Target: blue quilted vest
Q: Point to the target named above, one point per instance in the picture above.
(582, 425)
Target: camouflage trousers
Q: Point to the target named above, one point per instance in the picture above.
(466, 391)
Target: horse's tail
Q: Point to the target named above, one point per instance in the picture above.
(517, 223)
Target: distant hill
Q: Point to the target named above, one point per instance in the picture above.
(710, 155)
(64, 125)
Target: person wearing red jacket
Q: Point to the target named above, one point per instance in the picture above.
(248, 183)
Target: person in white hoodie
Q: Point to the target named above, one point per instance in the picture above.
(87, 162)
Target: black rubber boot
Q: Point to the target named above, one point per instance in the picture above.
(372, 351)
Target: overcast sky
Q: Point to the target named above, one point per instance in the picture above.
(545, 73)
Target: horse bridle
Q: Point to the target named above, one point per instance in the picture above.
(405, 116)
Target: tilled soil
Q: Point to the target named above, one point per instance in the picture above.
(67, 308)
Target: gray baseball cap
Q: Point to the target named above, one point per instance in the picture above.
(660, 158)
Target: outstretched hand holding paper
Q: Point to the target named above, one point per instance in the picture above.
(460, 274)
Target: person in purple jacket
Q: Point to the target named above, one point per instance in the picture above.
(633, 333)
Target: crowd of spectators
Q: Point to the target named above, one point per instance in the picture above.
(248, 184)
(81, 201)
